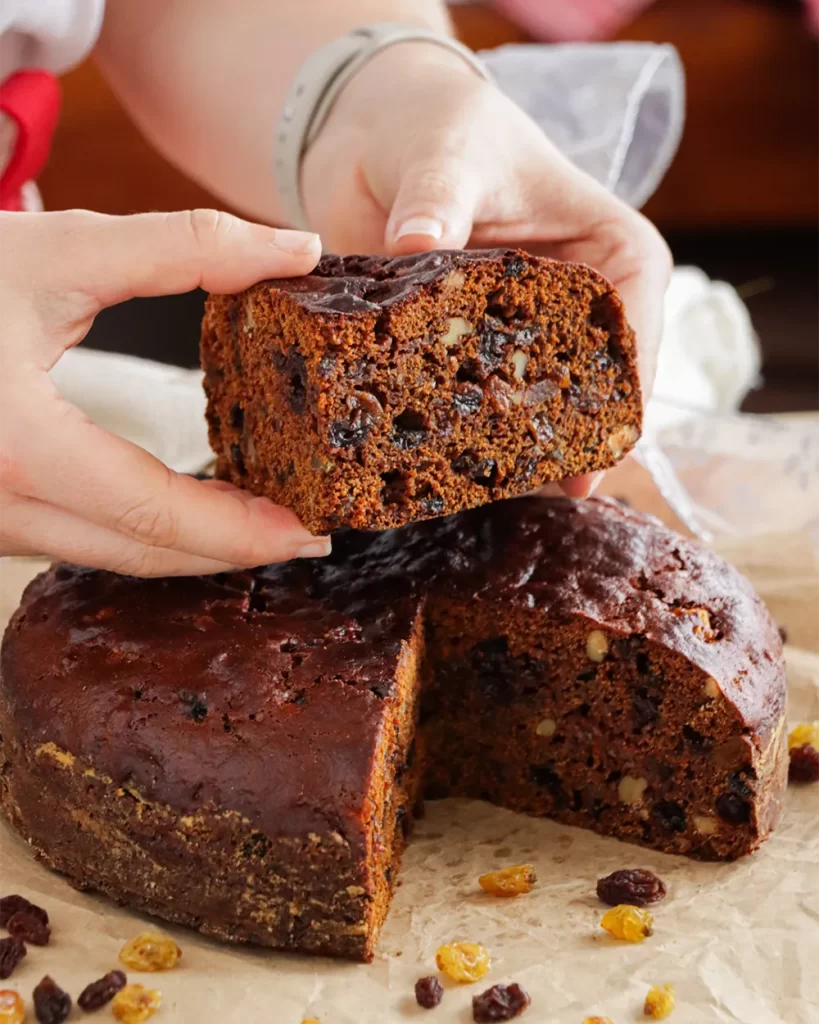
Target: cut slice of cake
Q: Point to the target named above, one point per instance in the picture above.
(377, 392)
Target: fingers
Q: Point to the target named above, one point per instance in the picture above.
(68, 462)
(434, 206)
(111, 259)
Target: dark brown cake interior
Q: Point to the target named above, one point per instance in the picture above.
(377, 392)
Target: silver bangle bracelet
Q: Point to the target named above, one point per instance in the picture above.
(316, 88)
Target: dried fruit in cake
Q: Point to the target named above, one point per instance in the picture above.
(501, 1002)
(150, 951)
(26, 926)
(12, 1008)
(463, 961)
(10, 905)
(627, 922)
(102, 991)
(428, 992)
(135, 1003)
(805, 732)
(633, 886)
(511, 881)
(598, 1020)
(52, 1005)
(12, 952)
(660, 1001)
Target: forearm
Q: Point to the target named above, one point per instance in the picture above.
(206, 82)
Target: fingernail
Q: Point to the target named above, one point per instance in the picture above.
(320, 547)
(419, 226)
(298, 243)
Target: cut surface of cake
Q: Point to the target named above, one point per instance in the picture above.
(242, 753)
(377, 392)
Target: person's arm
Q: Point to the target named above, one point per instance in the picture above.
(206, 80)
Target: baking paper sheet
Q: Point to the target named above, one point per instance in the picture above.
(740, 941)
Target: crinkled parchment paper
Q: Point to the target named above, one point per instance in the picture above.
(740, 941)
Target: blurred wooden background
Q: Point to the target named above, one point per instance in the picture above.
(741, 200)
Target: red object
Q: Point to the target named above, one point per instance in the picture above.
(32, 99)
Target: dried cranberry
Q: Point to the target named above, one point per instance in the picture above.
(12, 952)
(804, 764)
(468, 398)
(428, 992)
(100, 992)
(26, 926)
(9, 905)
(409, 429)
(51, 1004)
(633, 886)
(501, 1002)
(363, 414)
(733, 809)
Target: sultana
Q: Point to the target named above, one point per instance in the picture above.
(627, 922)
(135, 1004)
(463, 961)
(511, 881)
(12, 1010)
(660, 1001)
(150, 951)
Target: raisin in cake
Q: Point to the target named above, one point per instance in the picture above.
(242, 753)
(377, 391)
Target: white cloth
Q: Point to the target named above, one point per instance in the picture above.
(53, 35)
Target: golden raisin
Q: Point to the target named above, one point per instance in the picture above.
(806, 732)
(660, 1001)
(135, 1003)
(12, 1010)
(511, 881)
(598, 1020)
(463, 961)
(627, 922)
(150, 951)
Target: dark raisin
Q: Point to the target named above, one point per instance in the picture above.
(12, 952)
(699, 744)
(526, 466)
(669, 816)
(428, 992)
(733, 809)
(545, 776)
(645, 710)
(634, 886)
(51, 1004)
(195, 706)
(292, 366)
(237, 417)
(491, 345)
(432, 504)
(100, 992)
(738, 784)
(481, 471)
(783, 634)
(364, 411)
(327, 366)
(515, 267)
(238, 459)
(24, 925)
(501, 1002)
(468, 398)
(542, 430)
(804, 764)
(409, 429)
(9, 905)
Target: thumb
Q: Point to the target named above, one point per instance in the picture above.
(434, 207)
(110, 259)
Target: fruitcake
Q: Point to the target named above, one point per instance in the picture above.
(377, 392)
(242, 753)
